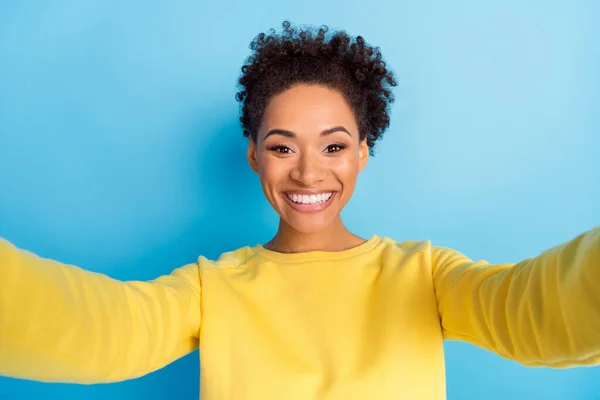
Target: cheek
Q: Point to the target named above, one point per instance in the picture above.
(270, 170)
(346, 169)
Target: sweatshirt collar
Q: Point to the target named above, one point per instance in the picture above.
(317, 255)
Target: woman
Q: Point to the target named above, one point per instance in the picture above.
(317, 312)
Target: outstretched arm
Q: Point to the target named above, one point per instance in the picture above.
(543, 311)
(61, 323)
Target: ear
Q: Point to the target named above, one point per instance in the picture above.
(363, 154)
(251, 155)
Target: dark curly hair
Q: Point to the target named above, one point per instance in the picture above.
(306, 55)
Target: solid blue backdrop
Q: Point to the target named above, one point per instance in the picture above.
(121, 152)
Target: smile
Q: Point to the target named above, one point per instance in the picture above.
(309, 199)
(308, 203)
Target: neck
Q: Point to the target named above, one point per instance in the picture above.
(336, 237)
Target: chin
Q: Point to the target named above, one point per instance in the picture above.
(307, 226)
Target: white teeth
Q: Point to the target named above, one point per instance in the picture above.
(310, 199)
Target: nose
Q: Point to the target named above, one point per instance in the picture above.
(308, 170)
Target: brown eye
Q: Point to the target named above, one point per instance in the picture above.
(334, 148)
(281, 149)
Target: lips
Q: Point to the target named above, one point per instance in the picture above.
(314, 204)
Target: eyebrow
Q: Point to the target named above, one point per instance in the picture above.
(291, 134)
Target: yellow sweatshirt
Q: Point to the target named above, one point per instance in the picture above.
(365, 323)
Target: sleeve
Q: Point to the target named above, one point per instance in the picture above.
(60, 323)
(543, 311)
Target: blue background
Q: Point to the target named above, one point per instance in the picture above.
(120, 149)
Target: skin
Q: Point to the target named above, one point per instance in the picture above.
(305, 160)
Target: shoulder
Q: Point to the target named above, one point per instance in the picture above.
(436, 254)
(407, 246)
(231, 259)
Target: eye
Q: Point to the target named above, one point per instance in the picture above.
(280, 148)
(334, 148)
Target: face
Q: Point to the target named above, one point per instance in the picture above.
(308, 155)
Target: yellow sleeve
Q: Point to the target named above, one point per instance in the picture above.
(543, 311)
(60, 323)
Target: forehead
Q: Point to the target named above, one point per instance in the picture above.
(307, 107)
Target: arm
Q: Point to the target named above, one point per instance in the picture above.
(61, 323)
(544, 311)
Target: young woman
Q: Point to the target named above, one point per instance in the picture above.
(317, 312)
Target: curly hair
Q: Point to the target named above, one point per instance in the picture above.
(306, 55)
